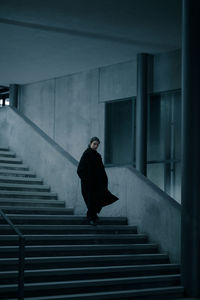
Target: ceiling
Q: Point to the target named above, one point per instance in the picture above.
(43, 39)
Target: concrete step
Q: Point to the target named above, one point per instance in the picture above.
(84, 261)
(38, 211)
(24, 187)
(60, 250)
(70, 229)
(19, 167)
(7, 153)
(60, 219)
(67, 259)
(27, 195)
(163, 293)
(4, 149)
(10, 160)
(17, 173)
(95, 285)
(20, 180)
(31, 203)
(61, 274)
(75, 239)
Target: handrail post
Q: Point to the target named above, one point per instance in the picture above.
(21, 263)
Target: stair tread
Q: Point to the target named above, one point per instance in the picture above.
(19, 185)
(73, 217)
(10, 159)
(94, 269)
(73, 236)
(67, 247)
(2, 148)
(25, 200)
(17, 172)
(40, 209)
(21, 179)
(105, 281)
(27, 193)
(13, 165)
(10, 153)
(93, 228)
(80, 257)
(117, 294)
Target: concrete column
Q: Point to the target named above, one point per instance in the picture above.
(13, 95)
(141, 113)
(190, 223)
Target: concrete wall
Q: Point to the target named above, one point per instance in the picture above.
(166, 73)
(3, 127)
(118, 81)
(144, 204)
(71, 109)
(67, 109)
(43, 156)
(37, 102)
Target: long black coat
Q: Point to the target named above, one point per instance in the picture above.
(94, 180)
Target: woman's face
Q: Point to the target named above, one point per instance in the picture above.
(94, 145)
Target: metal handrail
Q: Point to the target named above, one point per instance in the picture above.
(21, 255)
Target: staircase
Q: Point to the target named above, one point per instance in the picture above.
(68, 259)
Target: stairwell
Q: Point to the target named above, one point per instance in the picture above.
(67, 259)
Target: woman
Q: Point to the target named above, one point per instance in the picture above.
(94, 181)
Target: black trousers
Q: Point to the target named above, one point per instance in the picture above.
(91, 200)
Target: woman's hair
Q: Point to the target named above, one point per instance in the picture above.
(94, 138)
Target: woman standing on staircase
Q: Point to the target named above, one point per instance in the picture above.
(94, 181)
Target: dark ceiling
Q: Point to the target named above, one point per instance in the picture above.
(44, 39)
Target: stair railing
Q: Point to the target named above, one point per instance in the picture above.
(21, 261)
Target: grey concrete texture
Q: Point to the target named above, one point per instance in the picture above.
(71, 110)
(148, 207)
(3, 127)
(36, 101)
(166, 71)
(78, 115)
(140, 201)
(154, 212)
(118, 81)
(42, 155)
(66, 109)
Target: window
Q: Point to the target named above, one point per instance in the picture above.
(120, 132)
(163, 138)
(164, 142)
(4, 102)
(7, 102)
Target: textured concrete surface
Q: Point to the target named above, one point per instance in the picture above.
(147, 206)
(3, 127)
(166, 71)
(43, 156)
(36, 101)
(141, 201)
(118, 81)
(71, 109)
(77, 113)
(66, 109)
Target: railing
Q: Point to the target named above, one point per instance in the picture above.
(21, 256)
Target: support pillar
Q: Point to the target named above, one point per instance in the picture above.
(190, 223)
(141, 113)
(13, 95)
